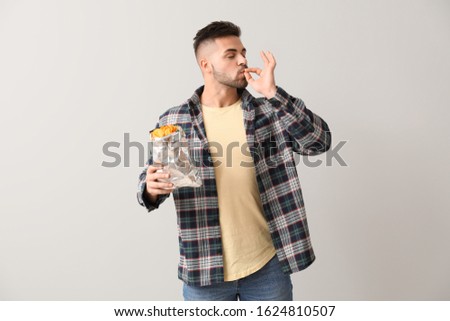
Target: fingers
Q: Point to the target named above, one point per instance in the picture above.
(156, 188)
(269, 63)
(268, 58)
(159, 188)
(155, 181)
(153, 168)
(264, 58)
(249, 77)
(257, 71)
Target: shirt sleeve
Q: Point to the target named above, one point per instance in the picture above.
(310, 134)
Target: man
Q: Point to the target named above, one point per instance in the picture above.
(244, 231)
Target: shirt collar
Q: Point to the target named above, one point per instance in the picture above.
(194, 101)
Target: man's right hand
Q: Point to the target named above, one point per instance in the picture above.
(154, 187)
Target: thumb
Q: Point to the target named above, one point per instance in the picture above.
(248, 77)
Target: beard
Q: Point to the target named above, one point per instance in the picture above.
(227, 80)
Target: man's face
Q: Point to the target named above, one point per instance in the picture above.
(228, 62)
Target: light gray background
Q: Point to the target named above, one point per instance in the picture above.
(77, 74)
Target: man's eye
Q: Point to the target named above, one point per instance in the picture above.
(230, 57)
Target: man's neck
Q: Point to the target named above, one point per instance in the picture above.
(219, 96)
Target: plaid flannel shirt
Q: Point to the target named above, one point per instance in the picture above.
(275, 128)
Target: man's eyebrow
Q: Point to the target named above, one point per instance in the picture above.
(233, 50)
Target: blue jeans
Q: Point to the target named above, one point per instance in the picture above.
(267, 284)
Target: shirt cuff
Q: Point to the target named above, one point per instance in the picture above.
(279, 99)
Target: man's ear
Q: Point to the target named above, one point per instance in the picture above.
(205, 66)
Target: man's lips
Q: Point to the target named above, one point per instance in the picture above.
(243, 69)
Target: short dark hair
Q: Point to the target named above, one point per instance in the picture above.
(215, 30)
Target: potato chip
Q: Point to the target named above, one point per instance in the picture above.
(164, 131)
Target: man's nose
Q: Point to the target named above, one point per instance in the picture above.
(242, 60)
